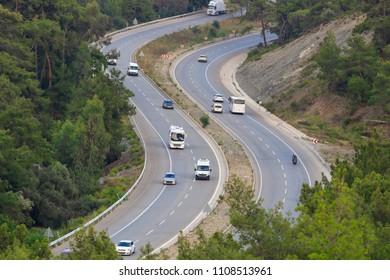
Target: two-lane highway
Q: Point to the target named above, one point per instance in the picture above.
(155, 213)
(271, 149)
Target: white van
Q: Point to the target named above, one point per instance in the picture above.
(202, 169)
(133, 68)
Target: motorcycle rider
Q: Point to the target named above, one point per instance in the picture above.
(294, 158)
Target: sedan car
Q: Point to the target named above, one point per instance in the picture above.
(167, 104)
(125, 247)
(169, 178)
(217, 108)
(218, 97)
(202, 58)
(111, 61)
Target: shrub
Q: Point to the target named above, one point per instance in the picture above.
(204, 119)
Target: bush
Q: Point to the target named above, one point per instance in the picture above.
(204, 119)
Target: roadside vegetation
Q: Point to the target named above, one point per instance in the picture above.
(64, 124)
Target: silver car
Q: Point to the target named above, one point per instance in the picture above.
(218, 97)
(169, 178)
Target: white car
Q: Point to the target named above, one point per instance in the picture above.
(112, 61)
(218, 97)
(202, 58)
(217, 108)
(125, 247)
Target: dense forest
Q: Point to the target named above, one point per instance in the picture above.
(62, 120)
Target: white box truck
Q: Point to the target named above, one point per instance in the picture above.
(216, 7)
(202, 169)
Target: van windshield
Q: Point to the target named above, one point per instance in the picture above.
(177, 136)
(202, 168)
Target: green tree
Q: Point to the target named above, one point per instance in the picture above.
(265, 234)
(55, 197)
(360, 67)
(15, 244)
(329, 59)
(168, 8)
(65, 143)
(91, 245)
(92, 144)
(336, 227)
(217, 247)
(262, 10)
(114, 95)
(373, 155)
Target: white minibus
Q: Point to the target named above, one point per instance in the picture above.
(236, 105)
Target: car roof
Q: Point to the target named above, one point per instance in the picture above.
(168, 100)
(169, 173)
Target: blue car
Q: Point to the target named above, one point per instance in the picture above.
(167, 104)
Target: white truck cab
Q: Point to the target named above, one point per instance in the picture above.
(202, 169)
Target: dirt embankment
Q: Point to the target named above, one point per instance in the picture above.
(281, 68)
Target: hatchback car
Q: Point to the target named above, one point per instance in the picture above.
(217, 108)
(167, 104)
(169, 178)
(125, 247)
(202, 58)
(218, 97)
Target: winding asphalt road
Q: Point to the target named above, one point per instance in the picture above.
(269, 144)
(155, 213)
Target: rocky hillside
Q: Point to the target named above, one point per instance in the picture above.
(278, 70)
(281, 77)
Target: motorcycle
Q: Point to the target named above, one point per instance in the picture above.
(294, 160)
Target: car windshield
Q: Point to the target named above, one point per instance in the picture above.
(169, 175)
(168, 102)
(124, 244)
